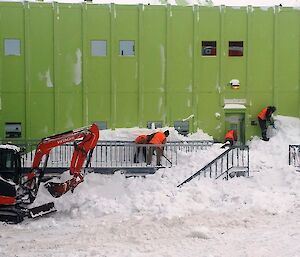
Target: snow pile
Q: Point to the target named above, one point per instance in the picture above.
(109, 215)
(271, 184)
(129, 134)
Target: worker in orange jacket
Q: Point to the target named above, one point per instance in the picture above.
(159, 139)
(230, 138)
(142, 140)
(263, 117)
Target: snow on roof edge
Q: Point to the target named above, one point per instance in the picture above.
(238, 5)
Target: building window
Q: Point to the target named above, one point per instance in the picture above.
(127, 48)
(13, 130)
(98, 48)
(209, 48)
(182, 127)
(235, 48)
(12, 47)
(154, 124)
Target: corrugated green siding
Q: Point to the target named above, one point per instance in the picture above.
(287, 65)
(56, 84)
(39, 68)
(153, 61)
(97, 69)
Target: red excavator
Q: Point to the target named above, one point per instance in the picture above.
(17, 189)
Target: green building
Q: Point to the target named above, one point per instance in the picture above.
(63, 66)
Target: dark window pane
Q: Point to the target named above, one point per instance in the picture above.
(209, 48)
(235, 48)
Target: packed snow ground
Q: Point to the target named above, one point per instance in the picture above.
(111, 216)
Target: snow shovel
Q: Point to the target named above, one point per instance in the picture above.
(168, 160)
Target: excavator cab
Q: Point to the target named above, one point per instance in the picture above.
(10, 163)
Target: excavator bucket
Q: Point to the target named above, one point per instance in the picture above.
(59, 189)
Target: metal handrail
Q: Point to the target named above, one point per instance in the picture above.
(114, 153)
(233, 159)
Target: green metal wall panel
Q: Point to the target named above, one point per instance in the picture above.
(154, 107)
(41, 115)
(260, 51)
(125, 68)
(69, 111)
(233, 28)
(96, 69)
(153, 62)
(210, 115)
(179, 64)
(207, 67)
(39, 71)
(13, 68)
(126, 106)
(97, 107)
(287, 67)
(59, 85)
(13, 110)
(12, 84)
(68, 66)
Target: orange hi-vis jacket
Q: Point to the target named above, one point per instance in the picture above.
(142, 139)
(231, 135)
(159, 138)
(262, 114)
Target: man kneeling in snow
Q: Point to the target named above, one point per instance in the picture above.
(230, 138)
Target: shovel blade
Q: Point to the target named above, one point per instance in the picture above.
(41, 210)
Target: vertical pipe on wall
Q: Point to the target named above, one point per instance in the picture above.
(247, 57)
(194, 124)
(55, 64)
(1, 79)
(84, 69)
(27, 125)
(140, 66)
(299, 70)
(221, 47)
(168, 26)
(275, 34)
(112, 65)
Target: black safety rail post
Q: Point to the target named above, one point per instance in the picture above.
(290, 159)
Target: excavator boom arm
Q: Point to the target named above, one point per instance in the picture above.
(87, 140)
(89, 136)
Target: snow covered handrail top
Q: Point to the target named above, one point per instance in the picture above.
(191, 142)
(11, 147)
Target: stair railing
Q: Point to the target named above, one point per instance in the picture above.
(233, 161)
